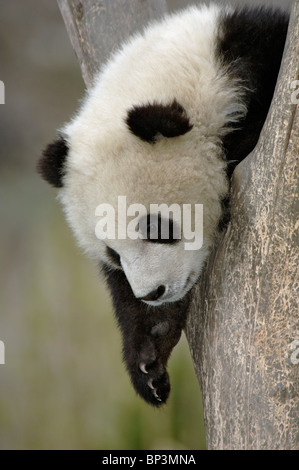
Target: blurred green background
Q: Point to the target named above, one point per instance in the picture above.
(63, 385)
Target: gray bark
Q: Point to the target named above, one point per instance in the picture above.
(243, 324)
(96, 28)
(242, 329)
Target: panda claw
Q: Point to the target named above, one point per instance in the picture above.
(150, 384)
(142, 367)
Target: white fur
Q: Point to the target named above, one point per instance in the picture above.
(173, 59)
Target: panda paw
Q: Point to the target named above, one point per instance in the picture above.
(148, 336)
(153, 383)
(149, 374)
(153, 378)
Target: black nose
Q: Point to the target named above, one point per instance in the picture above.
(155, 294)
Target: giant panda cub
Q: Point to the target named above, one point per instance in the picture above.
(166, 121)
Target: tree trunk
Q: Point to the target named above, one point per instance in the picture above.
(242, 329)
(97, 27)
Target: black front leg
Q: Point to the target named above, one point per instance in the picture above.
(149, 335)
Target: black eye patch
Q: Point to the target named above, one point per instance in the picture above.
(150, 119)
(113, 256)
(157, 230)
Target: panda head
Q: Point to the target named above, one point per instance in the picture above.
(150, 157)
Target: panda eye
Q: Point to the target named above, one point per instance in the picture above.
(155, 229)
(113, 256)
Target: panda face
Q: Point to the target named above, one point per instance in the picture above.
(146, 169)
(158, 270)
(158, 274)
(153, 254)
(144, 173)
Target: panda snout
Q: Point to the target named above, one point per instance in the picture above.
(156, 294)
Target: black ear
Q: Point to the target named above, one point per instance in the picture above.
(51, 164)
(146, 121)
